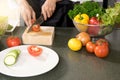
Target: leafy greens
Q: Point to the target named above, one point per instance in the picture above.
(91, 8)
(109, 16)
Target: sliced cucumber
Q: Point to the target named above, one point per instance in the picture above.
(14, 52)
(9, 60)
(11, 57)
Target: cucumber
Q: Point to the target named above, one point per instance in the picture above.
(11, 57)
(9, 60)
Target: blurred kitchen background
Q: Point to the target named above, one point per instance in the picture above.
(11, 9)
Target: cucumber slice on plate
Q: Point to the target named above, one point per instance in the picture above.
(11, 57)
(14, 52)
(9, 60)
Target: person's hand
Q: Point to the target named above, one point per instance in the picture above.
(48, 8)
(26, 12)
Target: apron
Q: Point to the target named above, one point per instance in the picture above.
(60, 16)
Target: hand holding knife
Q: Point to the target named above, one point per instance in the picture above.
(40, 20)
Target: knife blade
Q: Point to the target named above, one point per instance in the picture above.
(40, 20)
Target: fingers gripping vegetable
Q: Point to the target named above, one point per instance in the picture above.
(82, 18)
(11, 57)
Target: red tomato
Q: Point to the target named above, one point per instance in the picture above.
(93, 30)
(34, 50)
(101, 51)
(36, 28)
(94, 21)
(90, 46)
(102, 41)
(83, 37)
(13, 41)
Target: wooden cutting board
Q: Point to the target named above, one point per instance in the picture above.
(44, 37)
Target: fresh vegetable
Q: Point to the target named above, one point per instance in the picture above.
(2, 31)
(102, 42)
(3, 27)
(36, 28)
(94, 21)
(81, 18)
(100, 47)
(111, 15)
(94, 30)
(83, 37)
(108, 17)
(11, 57)
(13, 41)
(9, 27)
(90, 46)
(34, 50)
(74, 44)
(3, 24)
(101, 51)
(90, 8)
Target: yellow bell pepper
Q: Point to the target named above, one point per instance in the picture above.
(82, 18)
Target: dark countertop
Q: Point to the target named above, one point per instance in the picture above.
(79, 65)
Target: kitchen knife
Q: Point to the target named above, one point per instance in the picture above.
(40, 20)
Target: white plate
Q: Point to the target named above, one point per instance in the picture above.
(28, 65)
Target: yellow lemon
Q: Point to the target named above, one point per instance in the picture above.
(74, 44)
